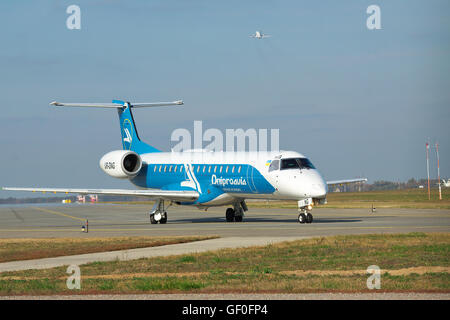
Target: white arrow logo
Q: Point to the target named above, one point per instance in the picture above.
(128, 136)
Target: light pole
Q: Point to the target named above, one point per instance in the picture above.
(428, 172)
(439, 176)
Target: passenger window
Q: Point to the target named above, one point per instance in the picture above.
(204, 168)
(181, 168)
(155, 168)
(160, 166)
(175, 169)
(239, 170)
(165, 167)
(198, 168)
(215, 168)
(170, 168)
(220, 169)
(232, 170)
(275, 165)
(209, 169)
(226, 170)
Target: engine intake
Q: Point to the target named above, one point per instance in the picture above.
(121, 164)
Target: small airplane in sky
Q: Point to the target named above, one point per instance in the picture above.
(446, 183)
(203, 178)
(260, 35)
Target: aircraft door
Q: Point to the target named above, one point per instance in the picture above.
(274, 171)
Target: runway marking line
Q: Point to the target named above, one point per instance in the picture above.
(58, 213)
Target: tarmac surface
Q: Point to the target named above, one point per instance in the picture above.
(107, 220)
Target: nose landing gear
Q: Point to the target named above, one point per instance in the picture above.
(303, 206)
(305, 217)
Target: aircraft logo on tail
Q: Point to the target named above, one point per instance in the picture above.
(128, 136)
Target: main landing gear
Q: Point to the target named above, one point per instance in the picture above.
(158, 213)
(237, 212)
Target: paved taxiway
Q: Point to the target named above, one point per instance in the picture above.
(106, 220)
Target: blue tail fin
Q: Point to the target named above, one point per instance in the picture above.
(130, 138)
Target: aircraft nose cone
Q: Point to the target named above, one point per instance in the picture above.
(313, 185)
(319, 189)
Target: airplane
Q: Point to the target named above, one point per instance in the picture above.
(446, 184)
(203, 178)
(259, 35)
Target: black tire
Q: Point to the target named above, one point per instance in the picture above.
(229, 215)
(309, 218)
(163, 219)
(302, 218)
(238, 218)
(152, 219)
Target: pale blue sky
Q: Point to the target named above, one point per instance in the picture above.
(356, 102)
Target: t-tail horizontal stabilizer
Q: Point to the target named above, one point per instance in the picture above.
(118, 104)
(130, 137)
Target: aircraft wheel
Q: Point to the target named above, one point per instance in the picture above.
(152, 219)
(309, 218)
(238, 218)
(164, 218)
(302, 218)
(229, 215)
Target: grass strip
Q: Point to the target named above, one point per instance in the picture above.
(26, 249)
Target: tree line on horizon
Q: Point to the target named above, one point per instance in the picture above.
(381, 185)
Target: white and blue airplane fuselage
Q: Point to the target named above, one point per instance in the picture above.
(222, 178)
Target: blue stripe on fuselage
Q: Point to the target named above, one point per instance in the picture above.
(243, 178)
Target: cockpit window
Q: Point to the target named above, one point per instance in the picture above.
(305, 163)
(296, 163)
(289, 164)
(274, 165)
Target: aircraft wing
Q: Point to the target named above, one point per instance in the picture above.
(330, 183)
(176, 195)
